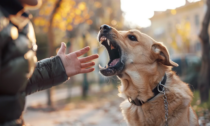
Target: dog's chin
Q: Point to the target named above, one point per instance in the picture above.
(111, 71)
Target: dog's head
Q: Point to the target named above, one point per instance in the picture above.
(128, 48)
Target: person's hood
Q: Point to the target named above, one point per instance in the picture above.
(14, 11)
(11, 7)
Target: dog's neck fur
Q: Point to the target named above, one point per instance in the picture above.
(136, 83)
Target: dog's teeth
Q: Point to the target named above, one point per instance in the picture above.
(102, 39)
(112, 47)
(100, 66)
(108, 42)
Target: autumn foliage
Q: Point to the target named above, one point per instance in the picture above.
(74, 13)
(68, 15)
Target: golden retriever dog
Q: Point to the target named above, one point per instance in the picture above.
(144, 68)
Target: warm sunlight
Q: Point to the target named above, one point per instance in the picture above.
(138, 12)
(94, 69)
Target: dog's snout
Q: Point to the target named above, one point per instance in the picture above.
(105, 28)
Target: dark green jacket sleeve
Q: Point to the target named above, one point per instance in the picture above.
(48, 72)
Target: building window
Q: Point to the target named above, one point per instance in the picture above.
(197, 20)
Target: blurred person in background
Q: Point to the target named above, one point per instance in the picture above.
(20, 74)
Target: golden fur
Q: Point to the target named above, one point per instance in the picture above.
(146, 62)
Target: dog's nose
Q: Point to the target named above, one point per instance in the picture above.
(105, 28)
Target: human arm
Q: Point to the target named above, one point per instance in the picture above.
(53, 71)
(48, 72)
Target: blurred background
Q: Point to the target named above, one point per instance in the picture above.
(91, 99)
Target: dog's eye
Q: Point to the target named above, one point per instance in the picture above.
(132, 37)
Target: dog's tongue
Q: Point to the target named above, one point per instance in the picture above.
(114, 62)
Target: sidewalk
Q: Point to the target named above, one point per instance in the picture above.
(41, 97)
(107, 115)
(99, 113)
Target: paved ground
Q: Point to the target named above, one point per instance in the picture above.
(97, 113)
(86, 115)
(40, 98)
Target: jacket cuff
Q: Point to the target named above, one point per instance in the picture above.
(59, 72)
(48, 72)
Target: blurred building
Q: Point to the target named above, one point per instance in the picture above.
(179, 28)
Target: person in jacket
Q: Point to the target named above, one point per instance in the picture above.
(20, 73)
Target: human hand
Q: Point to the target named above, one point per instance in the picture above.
(74, 65)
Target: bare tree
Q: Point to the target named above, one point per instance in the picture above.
(204, 78)
(51, 51)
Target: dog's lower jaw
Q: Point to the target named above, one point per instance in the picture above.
(120, 75)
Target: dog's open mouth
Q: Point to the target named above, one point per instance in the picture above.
(115, 65)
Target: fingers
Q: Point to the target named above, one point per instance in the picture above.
(62, 49)
(87, 70)
(82, 51)
(86, 65)
(89, 58)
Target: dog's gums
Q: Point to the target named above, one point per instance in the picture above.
(115, 64)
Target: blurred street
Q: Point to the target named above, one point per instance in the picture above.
(40, 98)
(102, 112)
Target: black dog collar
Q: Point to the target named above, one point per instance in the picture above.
(155, 91)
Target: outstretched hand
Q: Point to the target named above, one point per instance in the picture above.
(74, 65)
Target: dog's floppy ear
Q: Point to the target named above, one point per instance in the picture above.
(160, 53)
